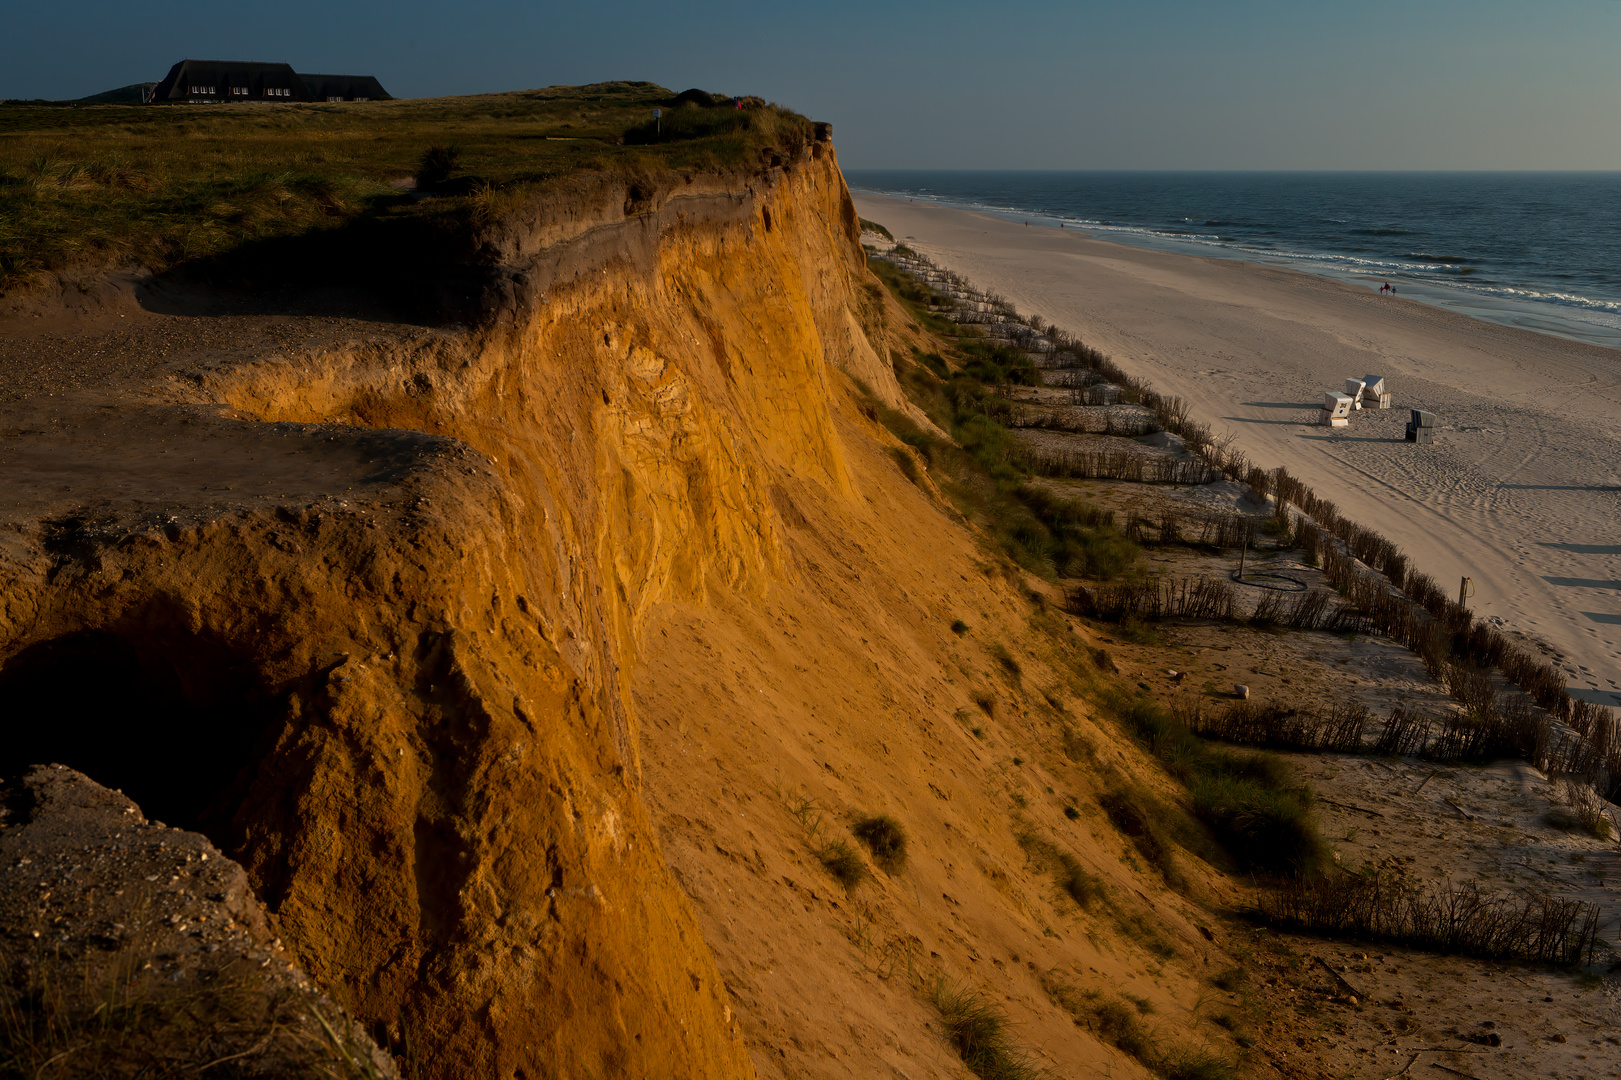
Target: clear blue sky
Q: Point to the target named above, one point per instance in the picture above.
(1156, 84)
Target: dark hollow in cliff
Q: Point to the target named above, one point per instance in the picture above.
(173, 724)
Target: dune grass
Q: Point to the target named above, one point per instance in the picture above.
(1121, 1025)
(160, 185)
(1145, 834)
(981, 473)
(873, 226)
(978, 1031)
(1071, 878)
(1248, 801)
(837, 857)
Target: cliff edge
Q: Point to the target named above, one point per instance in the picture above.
(363, 600)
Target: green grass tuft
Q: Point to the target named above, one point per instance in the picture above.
(1265, 827)
(1072, 879)
(1003, 657)
(885, 838)
(978, 1031)
(841, 860)
(873, 226)
(907, 464)
(1188, 1064)
(1145, 834)
(1120, 1025)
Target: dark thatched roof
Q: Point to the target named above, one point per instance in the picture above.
(242, 80)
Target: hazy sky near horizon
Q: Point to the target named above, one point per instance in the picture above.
(1156, 84)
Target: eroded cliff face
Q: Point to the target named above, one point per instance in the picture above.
(402, 583)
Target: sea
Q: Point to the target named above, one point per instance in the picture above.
(1541, 251)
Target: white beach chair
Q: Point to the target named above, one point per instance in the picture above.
(1374, 392)
(1336, 409)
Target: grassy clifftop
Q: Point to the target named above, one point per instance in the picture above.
(87, 186)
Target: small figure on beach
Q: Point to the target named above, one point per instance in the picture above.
(1385, 287)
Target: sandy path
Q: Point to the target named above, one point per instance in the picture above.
(1522, 491)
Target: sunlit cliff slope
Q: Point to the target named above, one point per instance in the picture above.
(523, 661)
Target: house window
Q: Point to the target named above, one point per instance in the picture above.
(331, 97)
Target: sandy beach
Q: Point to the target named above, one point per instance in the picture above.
(1521, 491)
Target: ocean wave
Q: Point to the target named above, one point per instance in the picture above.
(1424, 256)
(1540, 296)
(1386, 232)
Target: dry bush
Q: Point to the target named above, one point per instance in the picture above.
(1587, 809)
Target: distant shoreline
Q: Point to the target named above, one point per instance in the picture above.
(1541, 317)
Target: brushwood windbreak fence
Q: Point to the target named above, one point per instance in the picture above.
(1215, 529)
(1508, 726)
(1532, 927)
(1104, 464)
(1339, 728)
(1373, 575)
(1084, 419)
(1199, 597)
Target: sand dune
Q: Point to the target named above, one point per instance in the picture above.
(1522, 490)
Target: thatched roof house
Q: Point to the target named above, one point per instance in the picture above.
(201, 81)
